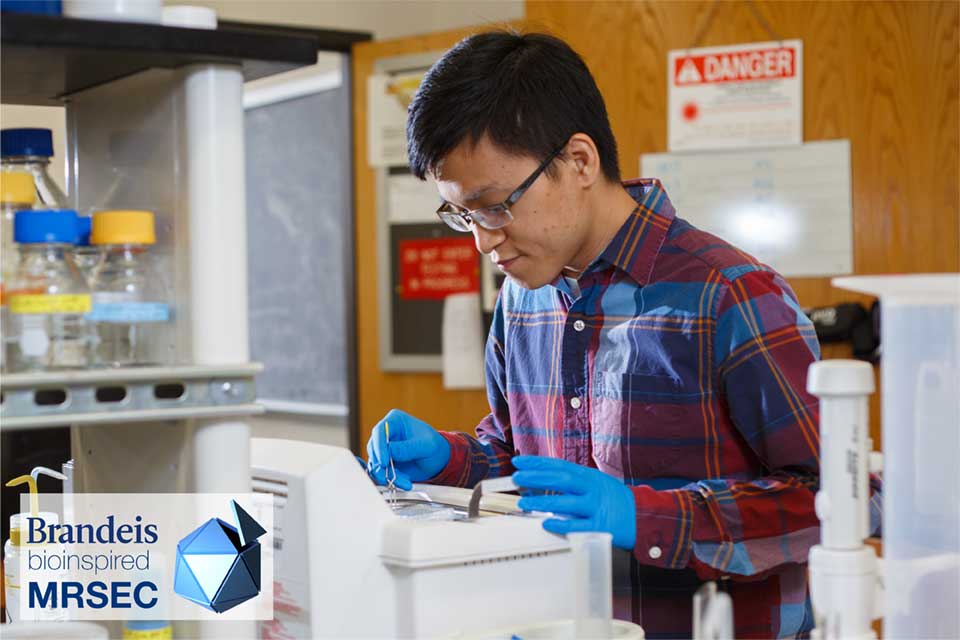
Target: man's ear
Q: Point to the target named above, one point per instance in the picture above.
(582, 153)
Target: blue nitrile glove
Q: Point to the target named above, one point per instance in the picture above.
(592, 500)
(419, 452)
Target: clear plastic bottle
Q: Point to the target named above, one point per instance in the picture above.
(16, 192)
(86, 255)
(129, 297)
(48, 298)
(30, 150)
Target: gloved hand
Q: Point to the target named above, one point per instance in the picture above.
(593, 500)
(418, 451)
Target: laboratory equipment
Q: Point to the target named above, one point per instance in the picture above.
(493, 485)
(712, 614)
(11, 548)
(129, 298)
(85, 255)
(346, 565)
(920, 376)
(48, 298)
(30, 150)
(843, 569)
(593, 579)
(16, 192)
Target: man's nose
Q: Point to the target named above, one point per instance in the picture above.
(487, 240)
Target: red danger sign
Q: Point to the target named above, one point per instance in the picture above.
(433, 269)
(736, 66)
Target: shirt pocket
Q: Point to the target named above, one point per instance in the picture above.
(638, 423)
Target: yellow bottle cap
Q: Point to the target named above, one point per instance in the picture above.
(122, 227)
(16, 187)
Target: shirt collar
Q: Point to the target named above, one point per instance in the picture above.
(636, 245)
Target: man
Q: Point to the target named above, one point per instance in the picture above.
(650, 376)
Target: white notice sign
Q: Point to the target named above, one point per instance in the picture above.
(388, 97)
(789, 207)
(737, 96)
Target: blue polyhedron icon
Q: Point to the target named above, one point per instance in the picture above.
(218, 565)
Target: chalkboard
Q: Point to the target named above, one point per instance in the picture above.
(299, 180)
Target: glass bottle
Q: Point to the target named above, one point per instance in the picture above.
(16, 193)
(30, 150)
(48, 299)
(85, 255)
(129, 297)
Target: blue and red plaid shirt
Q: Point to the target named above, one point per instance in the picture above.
(680, 367)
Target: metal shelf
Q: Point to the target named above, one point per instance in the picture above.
(140, 394)
(47, 58)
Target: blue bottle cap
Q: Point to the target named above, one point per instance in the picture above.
(26, 142)
(84, 226)
(42, 7)
(37, 226)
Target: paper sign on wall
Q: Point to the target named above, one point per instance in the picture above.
(736, 96)
(388, 96)
(789, 207)
(432, 269)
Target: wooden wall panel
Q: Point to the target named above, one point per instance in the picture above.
(421, 394)
(883, 74)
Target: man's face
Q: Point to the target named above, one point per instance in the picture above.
(547, 229)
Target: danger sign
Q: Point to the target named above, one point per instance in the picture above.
(432, 269)
(746, 95)
(736, 66)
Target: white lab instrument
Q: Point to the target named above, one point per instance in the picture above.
(843, 570)
(920, 336)
(349, 565)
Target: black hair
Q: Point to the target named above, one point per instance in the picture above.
(528, 92)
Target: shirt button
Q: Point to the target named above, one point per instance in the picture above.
(579, 325)
(655, 552)
(575, 403)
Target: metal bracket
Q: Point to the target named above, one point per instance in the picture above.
(126, 395)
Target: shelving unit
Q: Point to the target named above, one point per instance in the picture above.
(155, 120)
(46, 59)
(32, 400)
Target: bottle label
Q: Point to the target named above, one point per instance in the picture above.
(49, 303)
(128, 312)
(164, 633)
(34, 341)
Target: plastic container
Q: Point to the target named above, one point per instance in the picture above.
(12, 547)
(593, 584)
(30, 150)
(85, 255)
(190, 17)
(114, 10)
(129, 299)
(16, 192)
(920, 373)
(48, 298)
